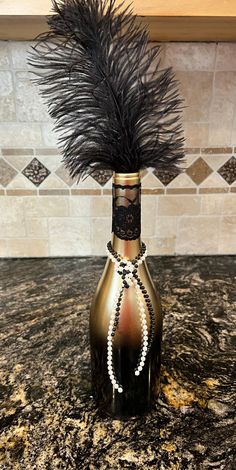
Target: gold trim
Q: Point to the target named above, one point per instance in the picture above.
(126, 178)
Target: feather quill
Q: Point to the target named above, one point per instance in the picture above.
(113, 106)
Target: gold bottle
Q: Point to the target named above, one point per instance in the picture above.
(139, 392)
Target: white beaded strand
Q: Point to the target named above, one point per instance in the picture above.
(144, 328)
(111, 374)
(125, 265)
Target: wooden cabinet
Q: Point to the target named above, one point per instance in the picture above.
(168, 20)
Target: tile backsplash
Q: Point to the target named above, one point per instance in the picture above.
(43, 212)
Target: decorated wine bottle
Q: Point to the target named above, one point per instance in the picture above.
(125, 316)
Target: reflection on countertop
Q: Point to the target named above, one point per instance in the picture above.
(48, 419)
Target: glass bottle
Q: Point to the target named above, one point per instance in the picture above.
(138, 391)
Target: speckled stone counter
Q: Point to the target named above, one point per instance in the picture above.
(48, 419)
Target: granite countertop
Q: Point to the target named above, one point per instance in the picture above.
(48, 419)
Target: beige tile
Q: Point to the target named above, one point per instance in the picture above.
(3, 245)
(216, 161)
(80, 206)
(53, 182)
(7, 103)
(20, 182)
(52, 162)
(166, 227)
(196, 88)
(36, 228)
(101, 207)
(29, 104)
(18, 161)
(227, 237)
(196, 133)
(87, 183)
(100, 234)
(12, 222)
(226, 56)
(197, 235)
(182, 181)
(50, 138)
(150, 181)
(212, 204)
(69, 236)
(221, 116)
(214, 181)
(220, 133)
(7, 173)
(20, 134)
(4, 55)
(229, 204)
(27, 248)
(63, 175)
(46, 206)
(179, 205)
(225, 86)
(148, 215)
(233, 135)
(188, 160)
(160, 246)
(190, 56)
(19, 52)
(10, 207)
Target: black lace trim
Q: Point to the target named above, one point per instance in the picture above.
(126, 211)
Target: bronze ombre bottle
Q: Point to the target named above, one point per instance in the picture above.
(138, 391)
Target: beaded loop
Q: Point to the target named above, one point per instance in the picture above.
(128, 271)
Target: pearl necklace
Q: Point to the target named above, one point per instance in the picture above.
(128, 271)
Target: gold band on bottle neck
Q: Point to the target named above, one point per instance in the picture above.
(126, 178)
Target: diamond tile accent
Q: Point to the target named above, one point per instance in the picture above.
(36, 172)
(7, 173)
(199, 170)
(102, 176)
(165, 176)
(228, 170)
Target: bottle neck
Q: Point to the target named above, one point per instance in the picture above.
(126, 214)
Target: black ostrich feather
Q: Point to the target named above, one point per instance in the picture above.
(114, 107)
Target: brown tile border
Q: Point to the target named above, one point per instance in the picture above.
(49, 151)
(9, 151)
(54, 192)
(181, 190)
(21, 192)
(2, 192)
(106, 192)
(209, 150)
(233, 189)
(193, 150)
(86, 192)
(152, 191)
(213, 190)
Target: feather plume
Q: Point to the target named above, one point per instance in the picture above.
(114, 107)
